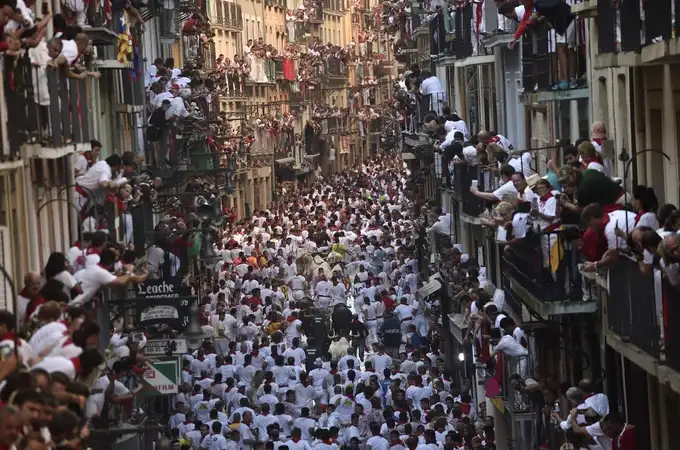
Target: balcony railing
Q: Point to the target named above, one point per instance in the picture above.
(312, 144)
(318, 16)
(209, 56)
(278, 68)
(464, 176)
(233, 16)
(169, 24)
(335, 68)
(632, 24)
(541, 70)
(44, 106)
(671, 312)
(545, 265)
(634, 308)
(424, 105)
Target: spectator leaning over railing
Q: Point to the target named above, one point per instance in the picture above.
(506, 188)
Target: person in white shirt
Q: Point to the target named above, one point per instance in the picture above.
(433, 87)
(94, 277)
(507, 186)
(376, 441)
(323, 293)
(83, 160)
(338, 292)
(93, 185)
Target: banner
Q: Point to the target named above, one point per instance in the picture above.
(164, 302)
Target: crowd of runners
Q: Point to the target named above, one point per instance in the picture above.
(316, 336)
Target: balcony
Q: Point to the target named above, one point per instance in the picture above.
(59, 120)
(542, 73)
(169, 24)
(209, 56)
(640, 309)
(277, 73)
(333, 6)
(632, 310)
(636, 32)
(334, 126)
(317, 17)
(424, 104)
(233, 16)
(335, 69)
(464, 176)
(275, 3)
(543, 272)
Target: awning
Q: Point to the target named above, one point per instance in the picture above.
(311, 156)
(285, 160)
(406, 156)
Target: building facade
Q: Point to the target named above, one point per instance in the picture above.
(619, 333)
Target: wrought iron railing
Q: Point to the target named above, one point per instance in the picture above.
(545, 264)
(463, 32)
(634, 306)
(44, 105)
(632, 24)
(671, 334)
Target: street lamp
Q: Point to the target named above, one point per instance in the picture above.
(194, 335)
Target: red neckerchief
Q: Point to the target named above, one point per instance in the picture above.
(598, 141)
(93, 251)
(201, 358)
(544, 198)
(296, 439)
(10, 336)
(187, 422)
(32, 304)
(596, 159)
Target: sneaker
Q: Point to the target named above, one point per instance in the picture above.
(564, 84)
(573, 83)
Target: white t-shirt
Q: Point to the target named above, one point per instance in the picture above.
(522, 164)
(506, 188)
(595, 432)
(648, 219)
(92, 278)
(95, 402)
(624, 220)
(470, 154)
(378, 443)
(547, 207)
(510, 346)
(47, 335)
(69, 281)
(69, 49)
(97, 174)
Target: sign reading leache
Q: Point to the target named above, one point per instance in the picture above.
(164, 302)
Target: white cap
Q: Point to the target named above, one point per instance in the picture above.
(318, 362)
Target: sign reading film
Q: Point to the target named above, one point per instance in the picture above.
(164, 302)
